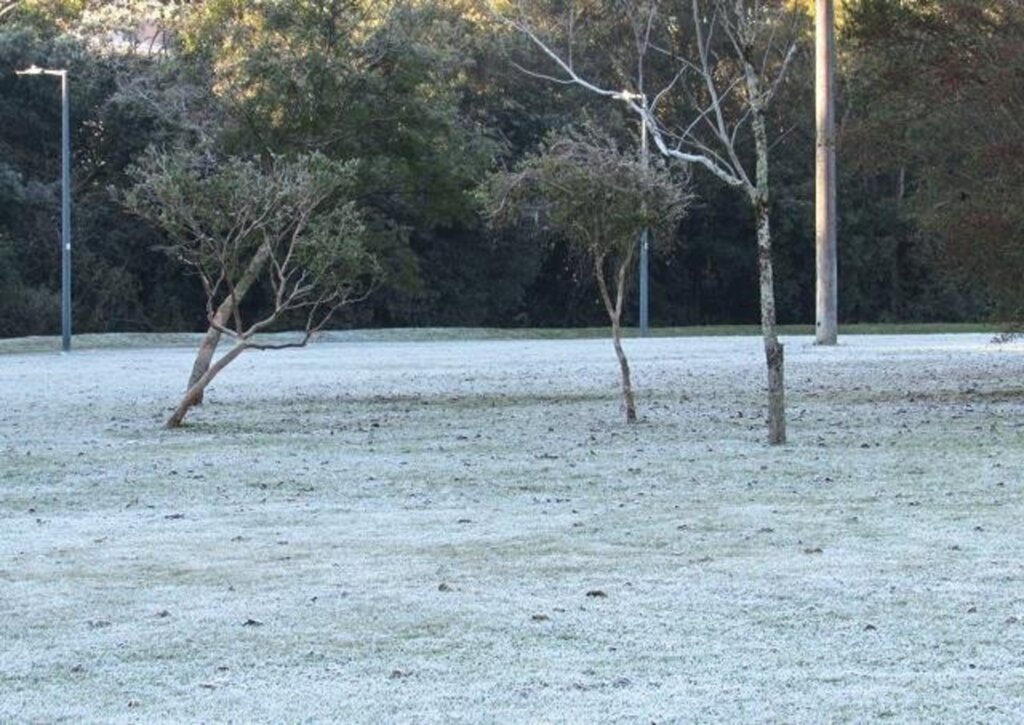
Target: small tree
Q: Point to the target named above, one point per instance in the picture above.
(585, 189)
(287, 225)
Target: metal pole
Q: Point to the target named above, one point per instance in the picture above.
(65, 216)
(644, 241)
(644, 283)
(65, 201)
(644, 244)
(826, 318)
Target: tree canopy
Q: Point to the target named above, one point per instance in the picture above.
(427, 99)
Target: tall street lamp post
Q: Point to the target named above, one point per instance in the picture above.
(644, 246)
(65, 210)
(644, 273)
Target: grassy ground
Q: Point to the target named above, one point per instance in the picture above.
(105, 341)
(465, 531)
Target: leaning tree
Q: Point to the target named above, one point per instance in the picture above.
(582, 187)
(287, 226)
(714, 67)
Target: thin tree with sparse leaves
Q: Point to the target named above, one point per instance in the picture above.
(585, 189)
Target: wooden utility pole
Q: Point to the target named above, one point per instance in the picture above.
(826, 328)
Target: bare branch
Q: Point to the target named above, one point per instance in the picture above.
(566, 67)
(704, 51)
(770, 94)
(7, 7)
(543, 76)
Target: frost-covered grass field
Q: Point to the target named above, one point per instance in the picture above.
(466, 531)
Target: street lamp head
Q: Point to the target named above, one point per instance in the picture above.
(628, 96)
(34, 70)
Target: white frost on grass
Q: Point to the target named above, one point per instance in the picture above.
(388, 532)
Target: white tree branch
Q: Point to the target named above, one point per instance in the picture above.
(727, 173)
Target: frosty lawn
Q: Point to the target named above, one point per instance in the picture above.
(465, 531)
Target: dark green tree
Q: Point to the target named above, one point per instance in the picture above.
(934, 133)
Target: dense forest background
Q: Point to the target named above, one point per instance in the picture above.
(430, 99)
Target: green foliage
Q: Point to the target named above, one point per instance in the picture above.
(381, 82)
(430, 98)
(935, 101)
(119, 105)
(26, 310)
(46, 16)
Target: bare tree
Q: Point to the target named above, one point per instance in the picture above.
(728, 59)
(584, 188)
(286, 225)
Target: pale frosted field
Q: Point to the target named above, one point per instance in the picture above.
(408, 532)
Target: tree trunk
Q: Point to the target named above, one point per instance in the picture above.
(206, 350)
(772, 348)
(776, 392)
(615, 316)
(627, 386)
(195, 393)
(225, 311)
